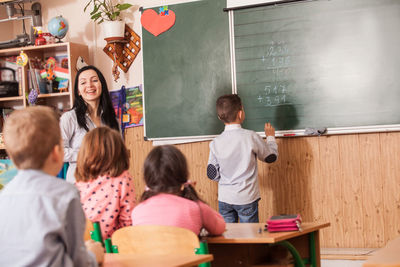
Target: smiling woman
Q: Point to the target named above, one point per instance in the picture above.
(92, 108)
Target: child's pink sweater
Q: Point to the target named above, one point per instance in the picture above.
(109, 201)
(168, 209)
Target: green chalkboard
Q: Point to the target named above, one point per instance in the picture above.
(185, 70)
(319, 64)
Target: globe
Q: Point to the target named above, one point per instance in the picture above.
(58, 27)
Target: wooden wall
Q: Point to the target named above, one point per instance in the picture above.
(351, 181)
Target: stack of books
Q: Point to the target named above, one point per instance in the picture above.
(284, 223)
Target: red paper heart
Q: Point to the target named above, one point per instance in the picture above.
(155, 23)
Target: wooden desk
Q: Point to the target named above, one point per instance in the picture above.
(243, 244)
(130, 260)
(389, 256)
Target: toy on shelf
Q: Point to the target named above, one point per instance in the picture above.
(22, 59)
(50, 65)
(56, 73)
(58, 27)
(48, 72)
(40, 40)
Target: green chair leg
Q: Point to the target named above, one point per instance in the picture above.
(108, 245)
(96, 233)
(203, 249)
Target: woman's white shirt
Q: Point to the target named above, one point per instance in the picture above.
(72, 135)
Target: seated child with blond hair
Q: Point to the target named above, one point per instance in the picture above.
(42, 221)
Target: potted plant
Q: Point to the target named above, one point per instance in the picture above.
(107, 13)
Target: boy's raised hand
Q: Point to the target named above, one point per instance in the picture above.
(269, 130)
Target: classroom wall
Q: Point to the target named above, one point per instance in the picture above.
(351, 181)
(6, 28)
(83, 30)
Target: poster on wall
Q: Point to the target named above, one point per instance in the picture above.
(7, 171)
(134, 107)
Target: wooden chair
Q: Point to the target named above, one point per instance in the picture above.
(155, 240)
(88, 229)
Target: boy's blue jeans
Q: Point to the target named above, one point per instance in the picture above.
(247, 213)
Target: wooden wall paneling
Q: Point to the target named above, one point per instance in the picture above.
(330, 191)
(299, 184)
(352, 220)
(138, 150)
(265, 205)
(372, 190)
(274, 181)
(206, 188)
(390, 173)
(312, 207)
(312, 200)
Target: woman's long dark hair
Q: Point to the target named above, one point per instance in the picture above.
(166, 171)
(105, 108)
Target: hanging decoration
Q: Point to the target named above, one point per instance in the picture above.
(155, 23)
(22, 59)
(123, 53)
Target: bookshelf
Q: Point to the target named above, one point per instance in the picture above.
(59, 100)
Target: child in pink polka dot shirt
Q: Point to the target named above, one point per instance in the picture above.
(106, 187)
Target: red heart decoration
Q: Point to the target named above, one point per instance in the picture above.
(155, 23)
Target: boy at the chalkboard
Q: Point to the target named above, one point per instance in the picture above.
(233, 162)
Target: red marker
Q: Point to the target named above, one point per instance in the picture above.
(292, 134)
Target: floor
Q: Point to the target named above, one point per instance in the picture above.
(341, 263)
(345, 257)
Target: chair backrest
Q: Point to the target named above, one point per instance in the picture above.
(155, 240)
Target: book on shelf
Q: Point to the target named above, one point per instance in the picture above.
(36, 80)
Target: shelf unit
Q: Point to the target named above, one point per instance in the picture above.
(58, 100)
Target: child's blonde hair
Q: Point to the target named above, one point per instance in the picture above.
(102, 153)
(30, 135)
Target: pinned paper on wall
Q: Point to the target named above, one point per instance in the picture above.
(128, 105)
(134, 107)
(155, 23)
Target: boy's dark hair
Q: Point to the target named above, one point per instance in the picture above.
(228, 107)
(106, 108)
(166, 171)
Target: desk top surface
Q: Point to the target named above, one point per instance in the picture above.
(389, 256)
(250, 233)
(125, 260)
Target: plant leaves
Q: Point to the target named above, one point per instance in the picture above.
(87, 5)
(123, 6)
(104, 10)
(115, 15)
(95, 9)
(96, 16)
